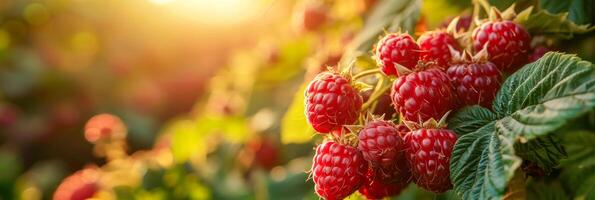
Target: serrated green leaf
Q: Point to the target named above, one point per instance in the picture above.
(482, 163)
(545, 151)
(294, 126)
(544, 95)
(579, 10)
(535, 101)
(389, 16)
(469, 119)
(555, 25)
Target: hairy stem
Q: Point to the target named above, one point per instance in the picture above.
(366, 73)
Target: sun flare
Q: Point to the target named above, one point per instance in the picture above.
(214, 12)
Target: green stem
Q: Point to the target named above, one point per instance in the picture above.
(365, 73)
(378, 86)
(375, 96)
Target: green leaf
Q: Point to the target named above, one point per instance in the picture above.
(482, 164)
(545, 151)
(294, 126)
(544, 95)
(389, 16)
(535, 101)
(365, 62)
(469, 119)
(580, 145)
(555, 25)
(545, 190)
(579, 10)
(579, 169)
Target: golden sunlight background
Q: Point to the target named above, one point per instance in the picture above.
(147, 61)
(182, 99)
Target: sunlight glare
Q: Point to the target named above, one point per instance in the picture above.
(214, 12)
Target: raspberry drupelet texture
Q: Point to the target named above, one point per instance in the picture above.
(374, 188)
(380, 143)
(433, 46)
(331, 102)
(428, 153)
(475, 83)
(507, 43)
(396, 49)
(422, 95)
(337, 170)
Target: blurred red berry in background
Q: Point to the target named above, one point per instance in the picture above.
(104, 127)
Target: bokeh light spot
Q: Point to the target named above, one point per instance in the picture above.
(36, 14)
(84, 42)
(4, 39)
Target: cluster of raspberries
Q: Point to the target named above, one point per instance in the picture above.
(432, 76)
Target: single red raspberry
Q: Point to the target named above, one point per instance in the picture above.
(475, 82)
(422, 95)
(380, 143)
(81, 185)
(537, 53)
(433, 46)
(331, 102)
(374, 188)
(337, 170)
(104, 127)
(396, 49)
(507, 43)
(428, 153)
(383, 106)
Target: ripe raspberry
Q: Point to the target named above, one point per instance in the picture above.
(399, 171)
(338, 170)
(429, 152)
(475, 82)
(537, 53)
(396, 48)
(422, 95)
(383, 106)
(507, 43)
(373, 188)
(81, 185)
(434, 47)
(380, 143)
(104, 127)
(331, 102)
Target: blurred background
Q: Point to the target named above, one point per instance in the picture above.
(202, 88)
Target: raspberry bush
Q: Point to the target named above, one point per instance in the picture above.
(371, 99)
(497, 100)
